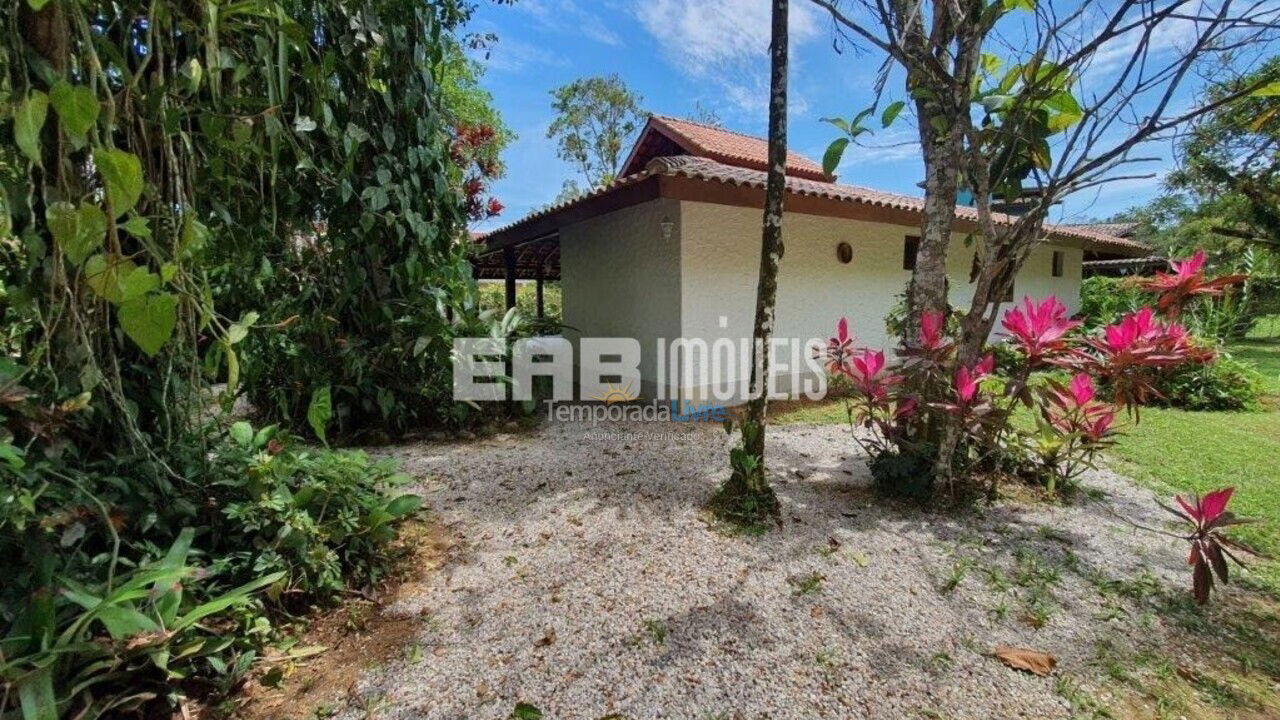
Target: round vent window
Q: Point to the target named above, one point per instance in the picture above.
(844, 252)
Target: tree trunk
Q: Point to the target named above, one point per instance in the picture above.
(928, 287)
(771, 247)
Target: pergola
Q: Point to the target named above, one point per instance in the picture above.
(537, 259)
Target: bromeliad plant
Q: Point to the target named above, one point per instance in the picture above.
(899, 409)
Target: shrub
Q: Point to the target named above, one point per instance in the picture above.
(82, 649)
(1226, 384)
(323, 519)
(1104, 299)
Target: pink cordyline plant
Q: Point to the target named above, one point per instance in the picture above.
(1075, 424)
(1072, 409)
(1210, 548)
(969, 378)
(839, 350)
(866, 370)
(1186, 282)
(933, 325)
(1039, 330)
(1128, 351)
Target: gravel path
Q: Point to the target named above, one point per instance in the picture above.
(585, 581)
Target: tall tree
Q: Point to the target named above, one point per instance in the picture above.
(1002, 111)
(1230, 159)
(594, 118)
(747, 495)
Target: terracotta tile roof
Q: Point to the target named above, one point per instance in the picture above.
(726, 146)
(711, 171)
(1121, 229)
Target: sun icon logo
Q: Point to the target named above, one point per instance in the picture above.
(615, 394)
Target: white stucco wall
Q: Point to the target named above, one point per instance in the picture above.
(719, 262)
(621, 278)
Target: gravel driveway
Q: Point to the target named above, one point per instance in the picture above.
(585, 581)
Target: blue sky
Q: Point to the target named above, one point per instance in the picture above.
(678, 54)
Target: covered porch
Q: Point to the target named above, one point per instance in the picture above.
(537, 260)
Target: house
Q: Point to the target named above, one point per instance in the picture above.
(671, 249)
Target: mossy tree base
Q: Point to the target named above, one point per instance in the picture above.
(745, 506)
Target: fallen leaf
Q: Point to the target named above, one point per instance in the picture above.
(1033, 661)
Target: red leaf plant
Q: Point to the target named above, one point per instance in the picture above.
(1210, 548)
(839, 350)
(1128, 353)
(1039, 330)
(1185, 282)
(898, 405)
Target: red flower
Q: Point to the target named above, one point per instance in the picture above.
(495, 207)
(1081, 388)
(968, 379)
(1097, 424)
(932, 325)
(1039, 330)
(1186, 281)
(867, 364)
(866, 370)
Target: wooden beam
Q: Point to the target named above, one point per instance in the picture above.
(541, 311)
(509, 261)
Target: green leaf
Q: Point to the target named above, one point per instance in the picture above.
(149, 320)
(840, 123)
(1271, 89)
(78, 231)
(831, 158)
(28, 120)
(857, 119)
(122, 621)
(525, 711)
(891, 113)
(240, 330)
(138, 227)
(35, 693)
(122, 173)
(137, 283)
(1061, 121)
(76, 106)
(1064, 102)
(320, 411)
(404, 505)
(104, 276)
(242, 433)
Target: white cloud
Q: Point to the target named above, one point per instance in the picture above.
(511, 55)
(567, 18)
(896, 145)
(725, 44)
(702, 38)
(1174, 34)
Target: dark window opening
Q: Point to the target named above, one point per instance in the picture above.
(910, 248)
(1059, 259)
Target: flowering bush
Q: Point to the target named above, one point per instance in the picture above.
(900, 408)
